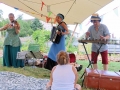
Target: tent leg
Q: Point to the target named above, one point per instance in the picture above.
(71, 37)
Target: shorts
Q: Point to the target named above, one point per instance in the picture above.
(104, 56)
(49, 88)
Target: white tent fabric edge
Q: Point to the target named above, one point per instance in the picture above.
(75, 11)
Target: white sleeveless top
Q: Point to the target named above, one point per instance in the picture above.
(63, 78)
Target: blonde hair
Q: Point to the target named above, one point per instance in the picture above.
(62, 58)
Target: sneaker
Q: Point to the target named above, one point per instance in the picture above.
(79, 68)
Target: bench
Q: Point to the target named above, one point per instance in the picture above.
(113, 49)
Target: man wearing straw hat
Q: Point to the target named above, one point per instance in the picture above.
(98, 31)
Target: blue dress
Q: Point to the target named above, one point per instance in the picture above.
(56, 48)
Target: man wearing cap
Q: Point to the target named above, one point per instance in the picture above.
(98, 31)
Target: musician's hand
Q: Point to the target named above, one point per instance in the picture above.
(63, 33)
(58, 32)
(10, 24)
(16, 27)
(102, 37)
(87, 34)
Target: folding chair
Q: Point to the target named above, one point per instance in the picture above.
(34, 48)
(73, 60)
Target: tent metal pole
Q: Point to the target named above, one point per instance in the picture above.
(71, 36)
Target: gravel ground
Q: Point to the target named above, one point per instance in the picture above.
(15, 81)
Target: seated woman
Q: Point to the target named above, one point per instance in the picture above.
(64, 76)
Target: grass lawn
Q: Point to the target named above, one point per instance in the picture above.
(43, 73)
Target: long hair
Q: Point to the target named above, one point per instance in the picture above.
(62, 58)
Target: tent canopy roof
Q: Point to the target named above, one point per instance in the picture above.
(75, 11)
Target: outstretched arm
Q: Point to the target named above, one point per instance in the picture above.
(4, 28)
(76, 75)
(106, 37)
(51, 78)
(88, 34)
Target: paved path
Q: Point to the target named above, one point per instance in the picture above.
(15, 81)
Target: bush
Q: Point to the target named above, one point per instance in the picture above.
(72, 49)
(41, 37)
(25, 46)
(1, 43)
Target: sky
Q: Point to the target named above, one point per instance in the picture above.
(110, 19)
(6, 10)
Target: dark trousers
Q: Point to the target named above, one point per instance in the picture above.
(50, 64)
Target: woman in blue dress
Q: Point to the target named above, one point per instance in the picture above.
(55, 48)
(12, 43)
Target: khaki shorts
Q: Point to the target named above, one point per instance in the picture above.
(49, 88)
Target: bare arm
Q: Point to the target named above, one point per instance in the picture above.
(51, 78)
(76, 75)
(107, 37)
(4, 28)
(87, 34)
(65, 27)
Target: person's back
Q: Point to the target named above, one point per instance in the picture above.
(63, 78)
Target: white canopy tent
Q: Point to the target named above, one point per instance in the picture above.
(75, 11)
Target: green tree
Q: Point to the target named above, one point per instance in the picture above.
(36, 25)
(2, 23)
(71, 48)
(41, 37)
(25, 26)
(1, 13)
(25, 29)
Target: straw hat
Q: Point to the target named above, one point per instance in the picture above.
(95, 17)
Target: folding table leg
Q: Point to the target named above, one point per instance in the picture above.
(90, 63)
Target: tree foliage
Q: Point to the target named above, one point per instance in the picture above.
(41, 37)
(35, 28)
(1, 13)
(25, 29)
(36, 25)
(71, 47)
(25, 25)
